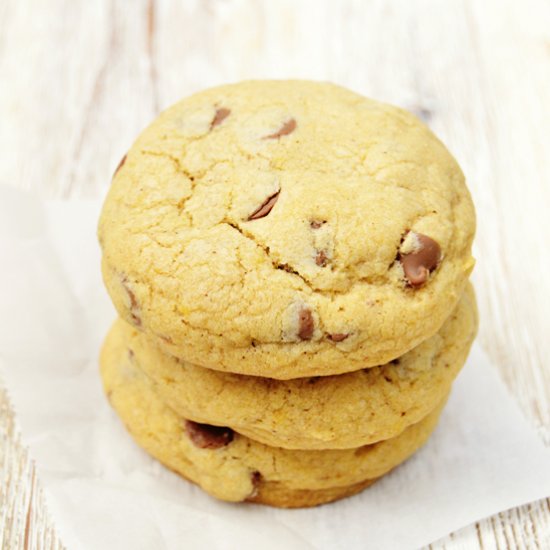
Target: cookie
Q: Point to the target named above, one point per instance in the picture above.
(287, 229)
(341, 411)
(233, 467)
(275, 494)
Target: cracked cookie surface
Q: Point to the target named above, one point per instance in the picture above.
(341, 411)
(287, 229)
(237, 468)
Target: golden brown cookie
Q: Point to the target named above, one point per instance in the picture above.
(341, 411)
(287, 229)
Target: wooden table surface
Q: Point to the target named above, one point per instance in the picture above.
(79, 79)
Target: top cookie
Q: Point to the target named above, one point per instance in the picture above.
(287, 229)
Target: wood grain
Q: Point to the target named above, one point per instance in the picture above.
(80, 79)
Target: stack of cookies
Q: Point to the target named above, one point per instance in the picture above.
(290, 264)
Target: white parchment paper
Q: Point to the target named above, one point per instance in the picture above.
(104, 492)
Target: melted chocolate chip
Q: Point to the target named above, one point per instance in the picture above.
(337, 337)
(256, 479)
(134, 306)
(306, 324)
(120, 165)
(221, 114)
(419, 263)
(287, 128)
(206, 436)
(321, 259)
(265, 208)
(133, 299)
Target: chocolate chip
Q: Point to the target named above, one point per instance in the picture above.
(316, 224)
(120, 165)
(321, 259)
(256, 478)
(133, 299)
(306, 324)
(265, 208)
(287, 128)
(419, 263)
(337, 337)
(221, 114)
(206, 436)
(134, 306)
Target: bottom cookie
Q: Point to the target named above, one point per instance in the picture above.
(233, 467)
(274, 494)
